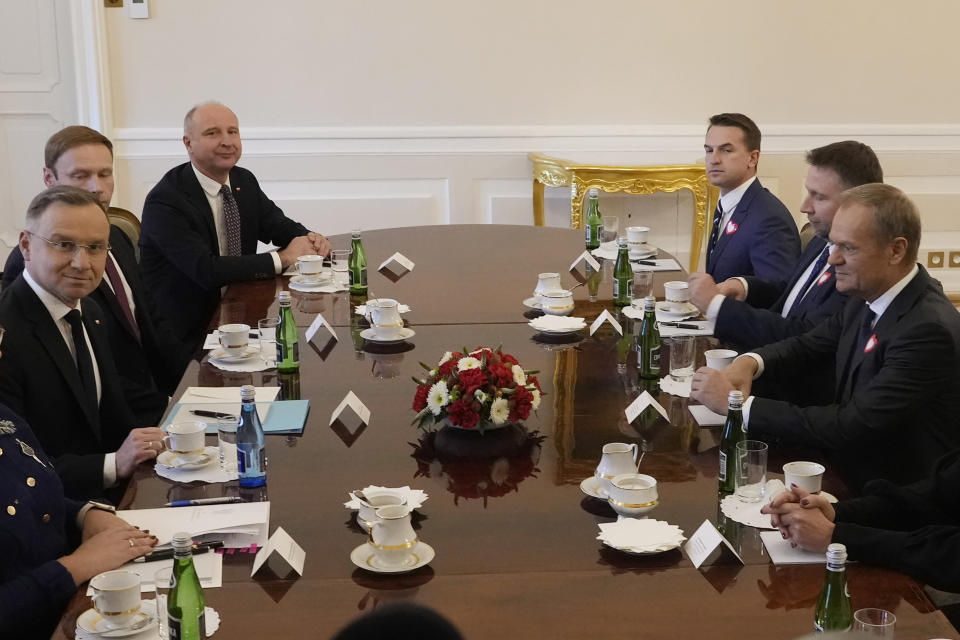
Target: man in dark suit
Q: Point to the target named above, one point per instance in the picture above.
(57, 370)
(752, 234)
(811, 294)
(896, 358)
(202, 221)
(148, 357)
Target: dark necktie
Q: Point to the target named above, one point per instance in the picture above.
(121, 295)
(231, 221)
(866, 329)
(84, 361)
(715, 231)
(817, 268)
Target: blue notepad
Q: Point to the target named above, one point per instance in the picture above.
(282, 417)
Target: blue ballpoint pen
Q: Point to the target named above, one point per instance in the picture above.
(200, 501)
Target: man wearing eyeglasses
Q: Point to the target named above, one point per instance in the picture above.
(148, 357)
(58, 370)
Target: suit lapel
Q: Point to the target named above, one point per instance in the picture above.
(740, 212)
(198, 198)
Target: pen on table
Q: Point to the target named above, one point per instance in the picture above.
(680, 325)
(166, 554)
(199, 501)
(649, 263)
(203, 413)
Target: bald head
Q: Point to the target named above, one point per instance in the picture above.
(211, 134)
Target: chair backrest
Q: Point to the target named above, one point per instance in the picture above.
(127, 222)
(806, 235)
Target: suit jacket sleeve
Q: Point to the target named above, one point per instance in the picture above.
(915, 366)
(774, 257)
(760, 293)
(30, 594)
(738, 320)
(275, 227)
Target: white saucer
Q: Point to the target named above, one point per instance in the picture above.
(641, 553)
(666, 308)
(593, 487)
(209, 454)
(403, 334)
(220, 354)
(557, 332)
(532, 303)
(320, 281)
(832, 499)
(91, 622)
(641, 254)
(420, 556)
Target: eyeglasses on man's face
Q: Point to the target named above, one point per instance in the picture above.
(69, 247)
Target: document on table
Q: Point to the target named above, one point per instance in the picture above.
(239, 525)
(209, 567)
(219, 399)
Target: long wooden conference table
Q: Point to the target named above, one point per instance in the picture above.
(515, 539)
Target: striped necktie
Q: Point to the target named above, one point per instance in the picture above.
(715, 231)
(231, 221)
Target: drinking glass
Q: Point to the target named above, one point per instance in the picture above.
(681, 358)
(875, 623)
(751, 478)
(642, 283)
(161, 582)
(340, 259)
(267, 328)
(227, 443)
(611, 225)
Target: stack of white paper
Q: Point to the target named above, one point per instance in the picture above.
(239, 525)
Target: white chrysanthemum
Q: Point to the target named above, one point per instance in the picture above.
(499, 411)
(536, 398)
(467, 363)
(438, 397)
(446, 356)
(481, 396)
(518, 375)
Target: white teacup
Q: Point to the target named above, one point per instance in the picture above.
(719, 358)
(637, 235)
(806, 475)
(310, 267)
(678, 294)
(631, 494)
(186, 440)
(617, 458)
(556, 302)
(546, 282)
(368, 512)
(234, 338)
(392, 536)
(384, 316)
(116, 597)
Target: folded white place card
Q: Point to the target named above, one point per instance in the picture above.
(318, 322)
(702, 543)
(354, 403)
(606, 316)
(281, 542)
(238, 524)
(705, 417)
(781, 552)
(397, 263)
(643, 401)
(585, 256)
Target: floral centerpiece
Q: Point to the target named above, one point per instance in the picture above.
(481, 389)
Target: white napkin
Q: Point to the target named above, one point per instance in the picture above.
(748, 513)
(676, 317)
(255, 363)
(333, 287)
(674, 388)
(782, 552)
(362, 309)
(557, 323)
(705, 417)
(414, 497)
(208, 473)
(211, 618)
(640, 535)
(606, 250)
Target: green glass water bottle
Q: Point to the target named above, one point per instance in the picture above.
(185, 602)
(733, 432)
(648, 342)
(834, 611)
(593, 225)
(357, 265)
(288, 342)
(622, 276)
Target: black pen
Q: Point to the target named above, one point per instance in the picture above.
(649, 263)
(166, 554)
(680, 325)
(203, 413)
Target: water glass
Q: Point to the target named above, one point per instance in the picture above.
(267, 328)
(642, 283)
(161, 582)
(875, 623)
(611, 225)
(751, 479)
(340, 259)
(227, 443)
(681, 358)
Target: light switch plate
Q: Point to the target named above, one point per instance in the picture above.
(137, 9)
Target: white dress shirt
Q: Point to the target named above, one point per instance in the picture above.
(797, 293)
(211, 189)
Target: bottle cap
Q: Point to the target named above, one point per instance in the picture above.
(284, 296)
(593, 193)
(836, 553)
(735, 398)
(182, 540)
(649, 303)
(621, 242)
(248, 392)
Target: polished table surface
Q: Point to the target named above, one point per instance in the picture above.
(515, 538)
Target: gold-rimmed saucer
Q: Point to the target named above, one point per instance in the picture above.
(420, 556)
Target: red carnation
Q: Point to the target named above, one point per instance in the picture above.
(471, 380)
(533, 380)
(522, 404)
(506, 357)
(447, 367)
(420, 398)
(502, 375)
(461, 413)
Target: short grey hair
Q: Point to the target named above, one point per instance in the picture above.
(66, 194)
(188, 119)
(894, 214)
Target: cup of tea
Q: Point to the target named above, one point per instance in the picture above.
(806, 475)
(631, 494)
(384, 316)
(186, 440)
(556, 302)
(368, 510)
(719, 358)
(546, 282)
(116, 597)
(234, 338)
(637, 236)
(310, 267)
(677, 294)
